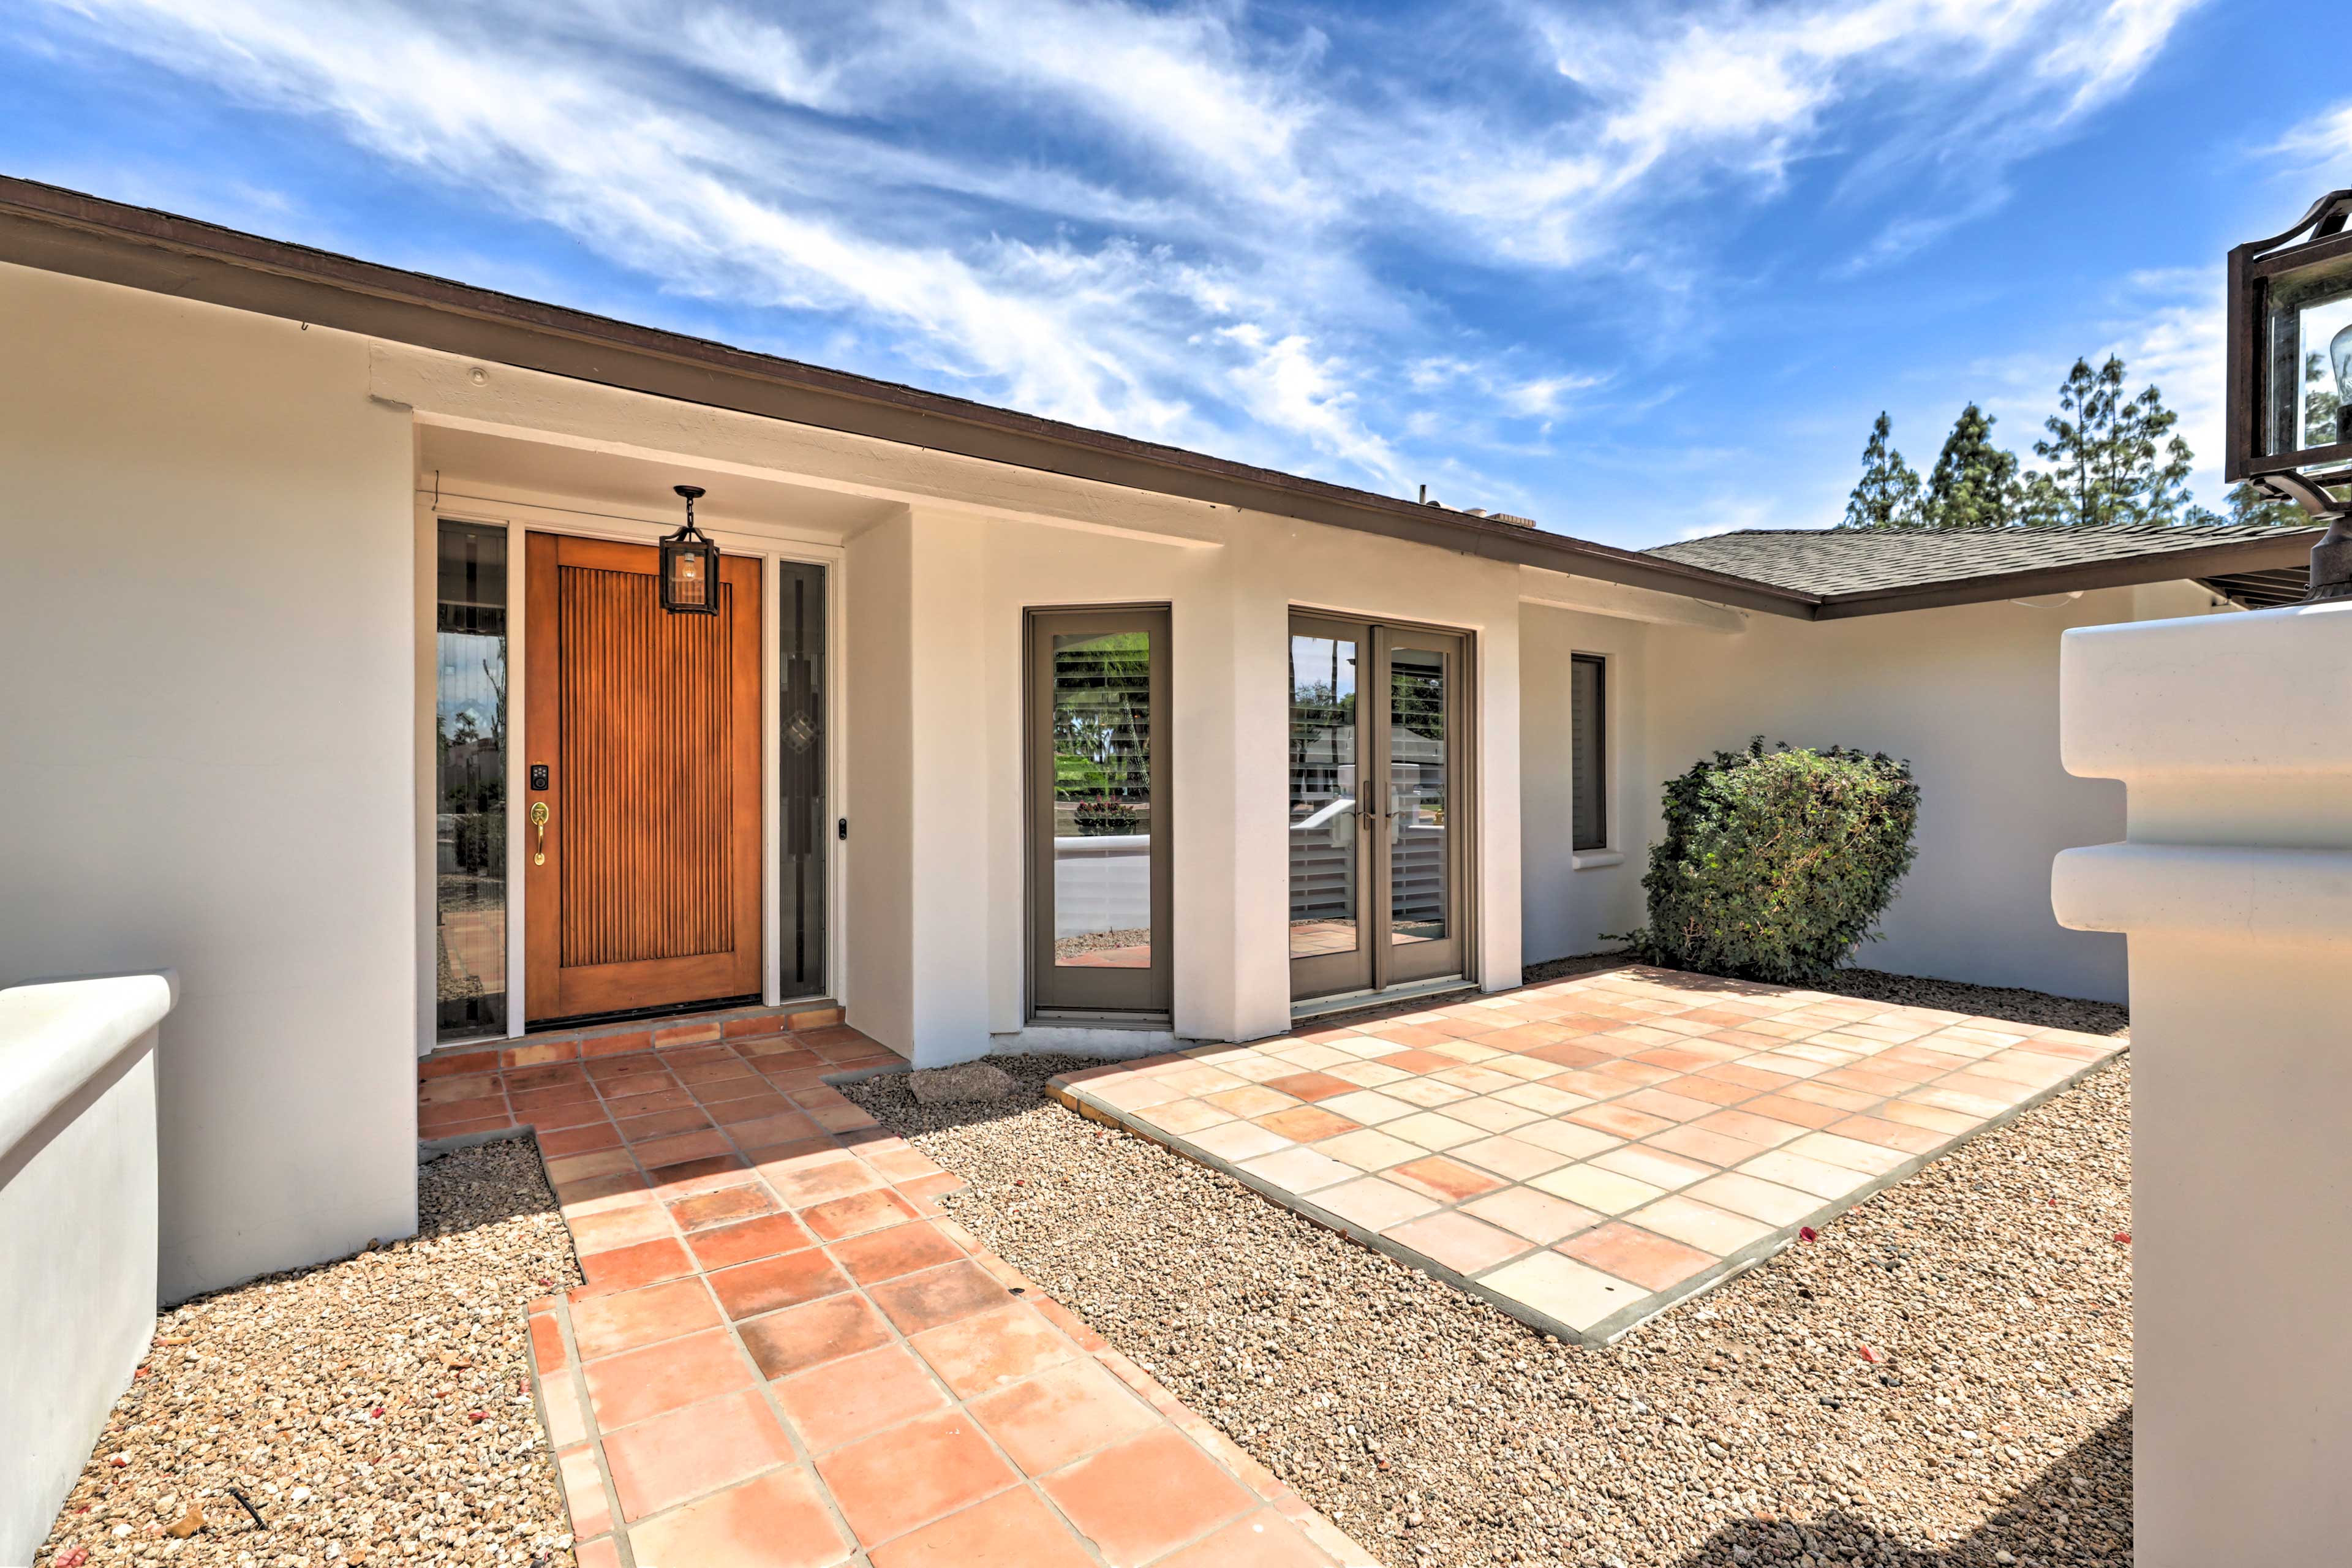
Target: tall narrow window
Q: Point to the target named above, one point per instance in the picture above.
(470, 782)
(1588, 738)
(800, 770)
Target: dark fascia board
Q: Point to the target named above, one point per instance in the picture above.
(2288, 548)
(59, 230)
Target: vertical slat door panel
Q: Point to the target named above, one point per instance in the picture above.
(649, 894)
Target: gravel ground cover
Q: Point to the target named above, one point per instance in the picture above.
(375, 1409)
(1942, 1377)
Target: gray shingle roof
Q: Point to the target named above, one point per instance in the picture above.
(1860, 560)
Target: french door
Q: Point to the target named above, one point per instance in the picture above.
(1380, 806)
(1100, 896)
(642, 852)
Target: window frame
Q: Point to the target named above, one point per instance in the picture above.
(1578, 843)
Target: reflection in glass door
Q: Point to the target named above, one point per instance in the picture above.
(1329, 837)
(469, 903)
(1099, 894)
(1378, 834)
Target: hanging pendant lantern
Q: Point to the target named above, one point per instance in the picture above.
(690, 565)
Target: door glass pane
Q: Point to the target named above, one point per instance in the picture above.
(801, 769)
(1323, 853)
(470, 782)
(1102, 800)
(1417, 795)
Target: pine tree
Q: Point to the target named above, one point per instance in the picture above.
(1973, 479)
(2114, 458)
(1887, 496)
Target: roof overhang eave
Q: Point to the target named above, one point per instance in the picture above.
(57, 230)
(2288, 548)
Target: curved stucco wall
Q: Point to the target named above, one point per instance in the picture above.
(77, 1229)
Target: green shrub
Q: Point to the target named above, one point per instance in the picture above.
(1777, 865)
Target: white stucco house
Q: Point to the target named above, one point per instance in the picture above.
(339, 682)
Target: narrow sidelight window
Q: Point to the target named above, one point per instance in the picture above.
(1588, 739)
(800, 775)
(470, 782)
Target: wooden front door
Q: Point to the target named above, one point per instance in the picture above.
(642, 872)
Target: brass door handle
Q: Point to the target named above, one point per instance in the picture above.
(539, 821)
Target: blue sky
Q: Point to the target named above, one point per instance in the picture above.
(1638, 271)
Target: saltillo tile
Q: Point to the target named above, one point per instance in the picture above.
(763, 1238)
(775, 1520)
(1457, 1241)
(900, 1249)
(772, 1283)
(1299, 1170)
(1563, 1290)
(1604, 1191)
(638, 1264)
(1011, 1528)
(844, 1401)
(938, 1295)
(1653, 1261)
(1139, 1500)
(1710, 1229)
(907, 1477)
(606, 1325)
(994, 1349)
(799, 1338)
(856, 1213)
(726, 1205)
(1538, 1216)
(671, 1459)
(1063, 1414)
(638, 1385)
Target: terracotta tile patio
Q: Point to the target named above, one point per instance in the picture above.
(785, 1356)
(1587, 1152)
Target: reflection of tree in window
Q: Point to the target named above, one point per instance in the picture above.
(1102, 732)
(1322, 719)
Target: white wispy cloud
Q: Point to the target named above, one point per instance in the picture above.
(1176, 221)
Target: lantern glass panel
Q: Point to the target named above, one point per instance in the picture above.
(690, 576)
(2310, 369)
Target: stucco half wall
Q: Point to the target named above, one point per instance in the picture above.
(207, 622)
(1970, 694)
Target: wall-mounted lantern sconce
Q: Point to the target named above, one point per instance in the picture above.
(2290, 365)
(690, 565)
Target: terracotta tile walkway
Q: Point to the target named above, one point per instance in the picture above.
(785, 1357)
(1587, 1152)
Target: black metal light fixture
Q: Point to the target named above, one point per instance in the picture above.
(690, 565)
(2290, 366)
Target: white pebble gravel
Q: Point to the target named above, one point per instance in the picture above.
(1988, 1422)
(376, 1409)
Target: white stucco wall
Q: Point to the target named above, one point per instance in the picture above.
(1970, 694)
(206, 618)
(1571, 903)
(937, 672)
